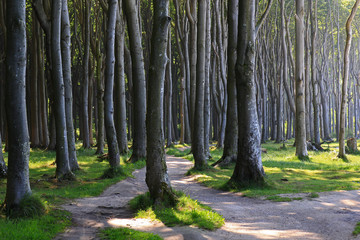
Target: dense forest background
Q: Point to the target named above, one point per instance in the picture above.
(102, 92)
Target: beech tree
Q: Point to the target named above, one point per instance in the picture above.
(114, 156)
(157, 178)
(138, 80)
(63, 170)
(345, 79)
(248, 167)
(18, 185)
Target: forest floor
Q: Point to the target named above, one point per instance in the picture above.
(331, 216)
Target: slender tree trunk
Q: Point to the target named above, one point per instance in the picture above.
(169, 93)
(100, 141)
(313, 73)
(34, 107)
(345, 80)
(301, 150)
(231, 132)
(66, 63)
(120, 98)
(85, 84)
(62, 153)
(198, 128)
(139, 84)
(207, 91)
(114, 156)
(157, 178)
(18, 185)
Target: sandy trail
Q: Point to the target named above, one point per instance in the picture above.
(332, 216)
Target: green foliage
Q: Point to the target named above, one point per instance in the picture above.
(29, 207)
(286, 174)
(186, 212)
(357, 229)
(39, 228)
(126, 234)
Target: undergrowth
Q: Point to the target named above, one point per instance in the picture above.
(186, 212)
(126, 234)
(357, 229)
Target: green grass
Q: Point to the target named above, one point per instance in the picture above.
(38, 228)
(126, 234)
(357, 229)
(285, 173)
(52, 192)
(186, 212)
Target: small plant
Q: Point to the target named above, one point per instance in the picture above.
(279, 199)
(357, 229)
(313, 195)
(113, 172)
(29, 207)
(126, 234)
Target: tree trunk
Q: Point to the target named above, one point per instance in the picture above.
(18, 185)
(248, 169)
(120, 98)
(231, 132)
(198, 127)
(301, 150)
(169, 93)
(207, 92)
(139, 84)
(114, 156)
(345, 80)
(157, 178)
(66, 62)
(62, 153)
(85, 84)
(313, 74)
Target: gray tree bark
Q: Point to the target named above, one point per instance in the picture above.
(198, 128)
(18, 185)
(300, 139)
(231, 132)
(85, 84)
(120, 91)
(345, 80)
(62, 153)
(114, 156)
(66, 63)
(139, 84)
(248, 169)
(157, 178)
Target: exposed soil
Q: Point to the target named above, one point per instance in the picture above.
(332, 216)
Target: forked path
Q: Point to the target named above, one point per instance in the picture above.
(332, 216)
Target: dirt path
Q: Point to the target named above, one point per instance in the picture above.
(332, 216)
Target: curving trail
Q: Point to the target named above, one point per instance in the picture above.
(332, 216)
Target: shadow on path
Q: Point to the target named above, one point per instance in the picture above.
(332, 216)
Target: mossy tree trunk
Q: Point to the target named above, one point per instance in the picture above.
(18, 185)
(157, 178)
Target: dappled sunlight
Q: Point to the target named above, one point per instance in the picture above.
(256, 232)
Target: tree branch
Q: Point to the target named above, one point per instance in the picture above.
(263, 17)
